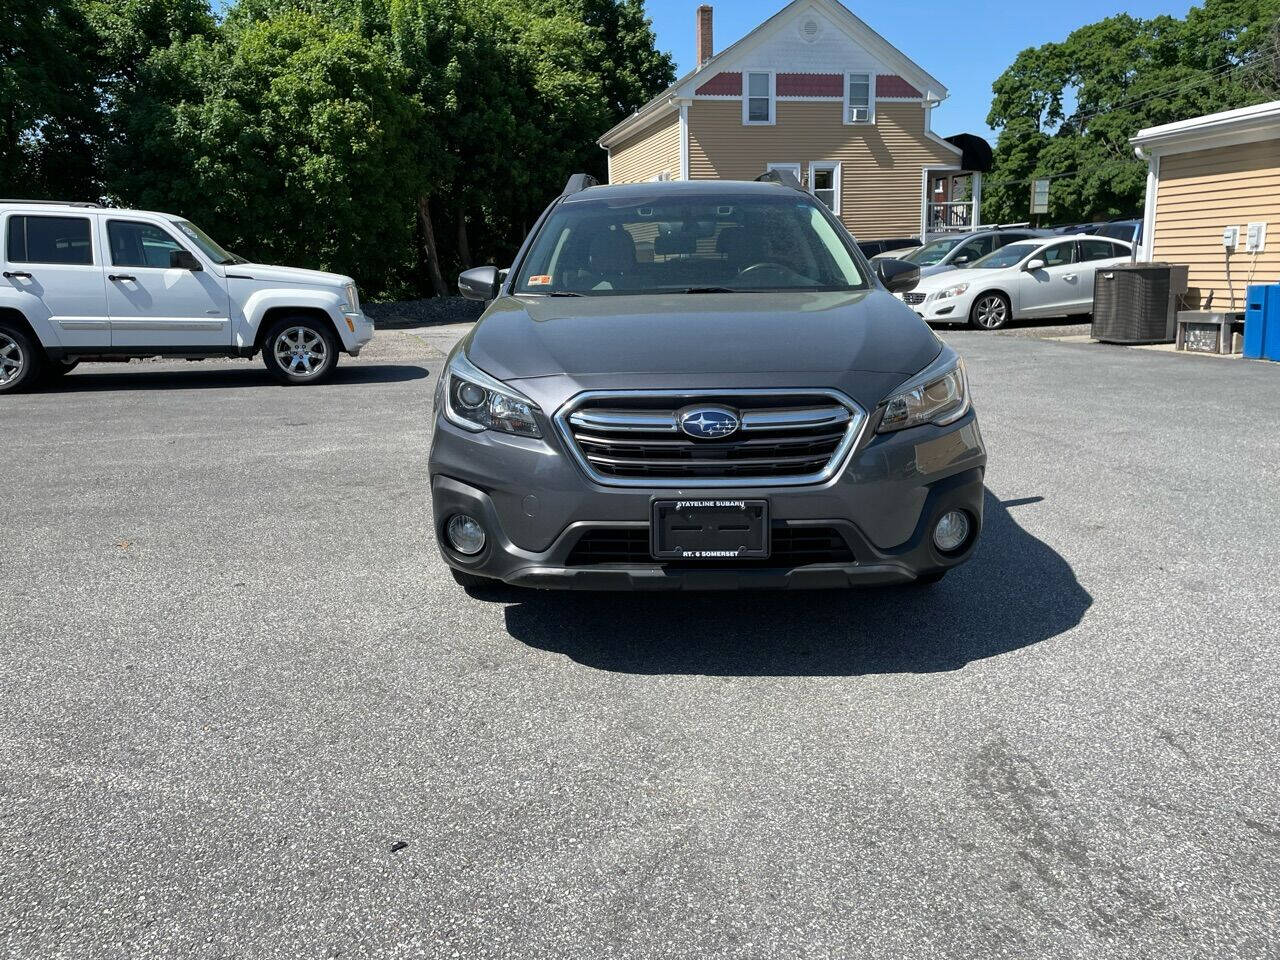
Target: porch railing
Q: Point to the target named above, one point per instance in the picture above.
(957, 215)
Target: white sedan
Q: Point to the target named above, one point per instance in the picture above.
(1031, 278)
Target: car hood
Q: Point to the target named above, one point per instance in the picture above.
(841, 340)
(949, 278)
(274, 274)
(936, 269)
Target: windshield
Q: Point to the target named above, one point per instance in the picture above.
(207, 244)
(719, 244)
(1008, 256)
(1118, 231)
(932, 253)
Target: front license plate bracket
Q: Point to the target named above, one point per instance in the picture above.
(709, 530)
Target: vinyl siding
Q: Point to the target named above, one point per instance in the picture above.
(649, 154)
(1202, 192)
(881, 186)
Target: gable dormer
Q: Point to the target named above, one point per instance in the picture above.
(811, 50)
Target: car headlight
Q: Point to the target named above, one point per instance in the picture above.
(476, 401)
(353, 298)
(939, 394)
(953, 291)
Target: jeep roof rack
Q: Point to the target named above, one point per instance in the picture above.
(782, 178)
(579, 182)
(55, 203)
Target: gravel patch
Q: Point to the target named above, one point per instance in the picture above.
(399, 314)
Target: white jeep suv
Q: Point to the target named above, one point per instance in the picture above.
(83, 282)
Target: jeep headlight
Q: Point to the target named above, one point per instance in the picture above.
(353, 298)
(952, 291)
(476, 401)
(939, 394)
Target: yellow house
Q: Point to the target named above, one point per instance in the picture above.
(1213, 201)
(816, 92)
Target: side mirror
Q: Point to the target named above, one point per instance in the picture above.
(898, 276)
(1034, 265)
(184, 260)
(963, 258)
(479, 283)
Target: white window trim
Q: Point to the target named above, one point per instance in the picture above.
(837, 180)
(746, 99)
(871, 97)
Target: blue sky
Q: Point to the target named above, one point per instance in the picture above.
(965, 44)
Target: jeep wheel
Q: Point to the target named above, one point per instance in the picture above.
(20, 360)
(300, 351)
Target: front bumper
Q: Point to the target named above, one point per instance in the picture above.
(357, 331)
(536, 506)
(949, 310)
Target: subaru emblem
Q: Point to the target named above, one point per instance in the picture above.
(709, 423)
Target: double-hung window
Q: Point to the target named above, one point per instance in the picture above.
(859, 103)
(824, 182)
(757, 104)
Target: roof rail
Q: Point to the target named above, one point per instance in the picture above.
(579, 182)
(782, 178)
(55, 203)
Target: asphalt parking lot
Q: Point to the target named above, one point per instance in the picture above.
(244, 711)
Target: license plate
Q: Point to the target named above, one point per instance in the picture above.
(709, 530)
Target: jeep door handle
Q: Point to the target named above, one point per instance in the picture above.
(121, 276)
(15, 274)
(1068, 276)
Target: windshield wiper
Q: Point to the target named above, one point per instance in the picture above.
(565, 293)
(710, 290)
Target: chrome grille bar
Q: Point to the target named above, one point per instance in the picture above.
(787, 437)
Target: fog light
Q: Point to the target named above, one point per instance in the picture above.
(952, 531)
(465, 534)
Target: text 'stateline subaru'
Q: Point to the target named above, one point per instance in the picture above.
(701, 386)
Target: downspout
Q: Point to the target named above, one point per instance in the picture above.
(1149, 205)
(684, 140)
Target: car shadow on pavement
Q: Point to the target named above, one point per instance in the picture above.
(138, 377)
(1015, 591)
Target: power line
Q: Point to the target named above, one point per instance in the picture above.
(1185, 84)
(1078, 120)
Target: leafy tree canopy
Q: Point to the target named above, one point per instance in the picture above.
(292, 143)
(1066, 110)
(48, 106)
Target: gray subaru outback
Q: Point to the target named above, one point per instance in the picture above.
(701, 386)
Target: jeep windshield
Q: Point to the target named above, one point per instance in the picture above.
(721, 244)
(207, 244)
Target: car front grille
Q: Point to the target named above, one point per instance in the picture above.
(914, 299)
(789, 547)
(785, 437)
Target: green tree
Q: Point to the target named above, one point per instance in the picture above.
(1066, 110)
(48, 106)
(632, 69)
(511, 103)
(289, 140)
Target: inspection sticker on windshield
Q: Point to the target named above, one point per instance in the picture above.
(541, 280)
